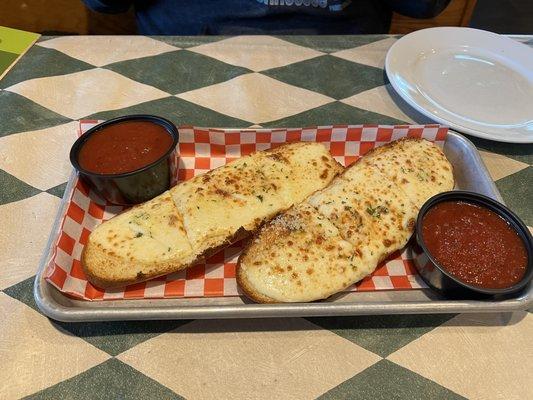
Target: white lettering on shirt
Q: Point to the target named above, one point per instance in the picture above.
(306, 3)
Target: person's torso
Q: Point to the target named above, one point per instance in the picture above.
(233, 17)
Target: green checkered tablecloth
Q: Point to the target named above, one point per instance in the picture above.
(226, 82)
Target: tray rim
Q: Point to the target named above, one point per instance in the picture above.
(53, 309)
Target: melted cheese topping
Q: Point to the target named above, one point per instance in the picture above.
(247, 191)
(363, 204)
(153, 230)
(299, 256)
(419, 167)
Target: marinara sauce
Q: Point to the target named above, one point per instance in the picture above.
(124, 147)
(474, 244)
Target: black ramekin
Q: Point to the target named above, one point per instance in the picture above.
(136, 186)
(441, 280)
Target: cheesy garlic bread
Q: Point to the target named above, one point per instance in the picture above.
(339, 234)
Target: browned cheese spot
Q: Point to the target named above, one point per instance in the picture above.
(294, 275)
(278, 157)
(290, 243)
(309, 271)
(387, 242)
(173, 220)
(222, 192)
(324, 174)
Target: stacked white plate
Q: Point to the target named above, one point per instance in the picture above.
(474, 81)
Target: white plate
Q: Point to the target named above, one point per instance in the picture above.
(475, 81)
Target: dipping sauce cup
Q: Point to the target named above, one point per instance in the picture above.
(127, 160)
(469, 245)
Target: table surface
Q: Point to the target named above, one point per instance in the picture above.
(227, 82)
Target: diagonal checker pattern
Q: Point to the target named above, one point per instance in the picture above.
(79, 370)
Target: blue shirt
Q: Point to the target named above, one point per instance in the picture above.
(233, 17)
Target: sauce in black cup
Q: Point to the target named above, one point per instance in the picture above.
(127, 160)
(469, 245)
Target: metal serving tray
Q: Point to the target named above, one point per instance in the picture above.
(470, 174)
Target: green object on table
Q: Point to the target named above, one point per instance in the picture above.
(13, 43)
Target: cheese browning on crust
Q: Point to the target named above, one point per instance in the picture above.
(122, 250)
(204, 214)
(416, 165)
(363, 203)
(251, 190)
(363, 216)
(285, 258)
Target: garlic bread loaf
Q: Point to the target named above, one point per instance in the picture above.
(339, 234)
(200, 216)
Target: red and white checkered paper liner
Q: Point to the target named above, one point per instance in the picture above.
(201, 150)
